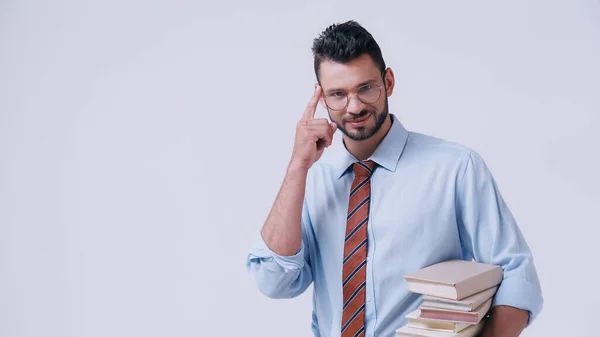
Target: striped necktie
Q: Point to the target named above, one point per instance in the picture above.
(355, 251)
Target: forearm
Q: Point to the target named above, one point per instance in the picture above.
(282, 230)
(505, 321)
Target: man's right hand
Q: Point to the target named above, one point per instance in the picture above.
(312, 135)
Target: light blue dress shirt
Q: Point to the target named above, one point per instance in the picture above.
(431, 200)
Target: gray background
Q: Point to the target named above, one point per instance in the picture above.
(142, 144)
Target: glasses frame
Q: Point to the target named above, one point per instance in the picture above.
(379, 86)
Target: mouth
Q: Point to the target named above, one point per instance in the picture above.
(358, 122)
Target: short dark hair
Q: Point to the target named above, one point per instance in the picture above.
(344, 42)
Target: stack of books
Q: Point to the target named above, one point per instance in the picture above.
(457, 297)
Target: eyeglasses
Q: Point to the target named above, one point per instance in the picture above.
(368, 94)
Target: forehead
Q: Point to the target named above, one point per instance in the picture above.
(333, 75)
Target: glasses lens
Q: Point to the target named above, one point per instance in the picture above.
(336, 101)
(369, 94)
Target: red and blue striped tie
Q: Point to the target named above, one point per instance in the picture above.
(355, 251)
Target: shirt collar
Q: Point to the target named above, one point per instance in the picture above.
(386, 155)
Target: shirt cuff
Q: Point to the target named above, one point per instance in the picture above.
(261, 253)
(521, 294)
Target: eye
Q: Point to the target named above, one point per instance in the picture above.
(365, 88)
(337, 94)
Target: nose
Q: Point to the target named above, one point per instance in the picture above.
(355, 106)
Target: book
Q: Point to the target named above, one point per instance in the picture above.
(471, 331)
(414, 321)
(467, 304)
(454, 279)
(473, 317)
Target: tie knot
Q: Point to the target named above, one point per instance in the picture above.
(364, 168)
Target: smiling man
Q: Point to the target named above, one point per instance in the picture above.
(385, 203)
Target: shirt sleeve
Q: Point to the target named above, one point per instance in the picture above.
(489, 234)
(278, 276)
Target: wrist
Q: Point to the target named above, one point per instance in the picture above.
(298, 167)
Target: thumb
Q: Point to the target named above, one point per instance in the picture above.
(333, 127)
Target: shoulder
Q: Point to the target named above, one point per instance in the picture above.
(435, 157)
(322, 169)
(431, 149)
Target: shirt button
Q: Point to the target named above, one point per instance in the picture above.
(368, 258)
(369, 299)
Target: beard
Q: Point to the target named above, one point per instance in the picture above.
(364, 132)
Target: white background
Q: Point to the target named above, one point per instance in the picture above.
(142, 144)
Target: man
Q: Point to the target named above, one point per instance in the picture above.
(387, 203)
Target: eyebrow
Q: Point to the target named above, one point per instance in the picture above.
(358, 86)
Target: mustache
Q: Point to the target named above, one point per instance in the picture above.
(353, 117)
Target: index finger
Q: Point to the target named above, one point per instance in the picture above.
(309, 113)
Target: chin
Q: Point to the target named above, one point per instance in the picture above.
(361, 133)
(366, 131)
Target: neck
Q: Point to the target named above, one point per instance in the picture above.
(363, 149)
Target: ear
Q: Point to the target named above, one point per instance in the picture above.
(389, 81)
